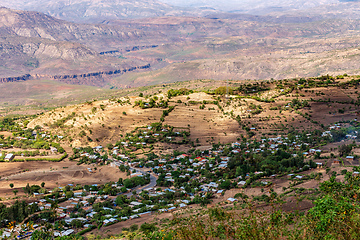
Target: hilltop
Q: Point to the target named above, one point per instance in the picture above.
(210, 118)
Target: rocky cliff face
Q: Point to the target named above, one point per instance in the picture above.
(38, 25)
(34, 43)
(21, 55)
(98, 79)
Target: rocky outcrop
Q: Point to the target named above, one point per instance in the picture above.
(94, 78)
(128, 49)
(16, 79)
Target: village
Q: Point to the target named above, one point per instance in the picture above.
(168, 183)
(121, 163)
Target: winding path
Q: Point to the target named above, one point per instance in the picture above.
(141, 188)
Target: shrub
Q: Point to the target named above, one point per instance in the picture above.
(134, 227)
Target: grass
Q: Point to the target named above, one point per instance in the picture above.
(43, 159)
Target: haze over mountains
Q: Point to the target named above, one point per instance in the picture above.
(96, 10)
(304, 7)
(252, 6)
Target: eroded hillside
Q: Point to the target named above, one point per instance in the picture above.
(223, 114)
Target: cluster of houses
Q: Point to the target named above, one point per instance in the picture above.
(89, 208)
(338, 126)
(6, 144)
(181, 177)
(145, 136)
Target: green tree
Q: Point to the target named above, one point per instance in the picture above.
(134, 227)
(27, 189)
(42, 235)
(329, 211)
(345, 150)
(69, 194)
(225, 184)
(148, 228)
(223, 90)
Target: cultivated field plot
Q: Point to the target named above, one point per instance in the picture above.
(53, 174)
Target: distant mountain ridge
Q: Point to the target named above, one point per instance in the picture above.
(252, 6)
(38, 44)
(97, 10)
(283, 9)
(221, 45)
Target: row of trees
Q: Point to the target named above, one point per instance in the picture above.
(17, 212)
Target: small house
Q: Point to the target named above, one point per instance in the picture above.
(242, 183)
(53, 149)
(9, 157)
(219, 193)
(231, 200)
(319, 164)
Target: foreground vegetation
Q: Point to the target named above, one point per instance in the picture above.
(336, 215)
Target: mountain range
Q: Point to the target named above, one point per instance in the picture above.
(98, 10)
(118, 52)
(259, 6)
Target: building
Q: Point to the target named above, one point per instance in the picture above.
(9, 157)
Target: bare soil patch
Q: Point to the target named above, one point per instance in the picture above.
(53, 174)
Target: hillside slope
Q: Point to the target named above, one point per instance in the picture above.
(210, 117)
(37, 44)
